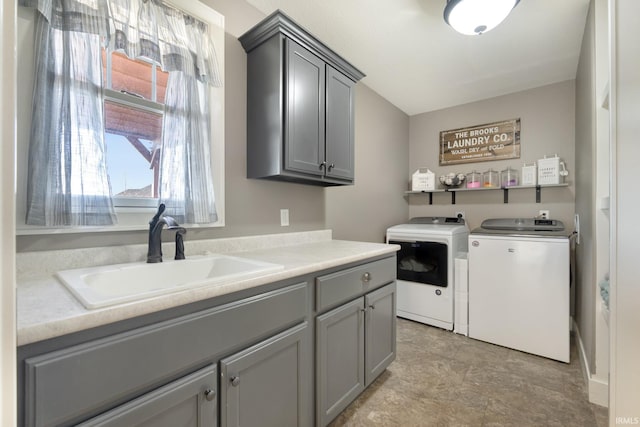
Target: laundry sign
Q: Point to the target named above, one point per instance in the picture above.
(492, 141)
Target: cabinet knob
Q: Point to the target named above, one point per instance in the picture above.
(366, 277)
(372, 307)
(331, 166)
(322, 165)
(235, 381)
(209, 394)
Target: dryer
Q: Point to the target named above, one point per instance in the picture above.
(425, 267)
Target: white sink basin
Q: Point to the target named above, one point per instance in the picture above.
(98, 287)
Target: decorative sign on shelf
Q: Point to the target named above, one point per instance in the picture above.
(482, 143)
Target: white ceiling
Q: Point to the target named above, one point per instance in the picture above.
(416, 61)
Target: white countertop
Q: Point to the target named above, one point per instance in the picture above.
(46, 309)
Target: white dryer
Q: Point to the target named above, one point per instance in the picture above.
(425, 267)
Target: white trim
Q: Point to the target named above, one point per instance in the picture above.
(598, 388)
(8, 78)
(613, 212)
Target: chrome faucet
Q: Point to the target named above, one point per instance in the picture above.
(154, 253)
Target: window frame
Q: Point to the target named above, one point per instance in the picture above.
(114, 96)
(133, 215)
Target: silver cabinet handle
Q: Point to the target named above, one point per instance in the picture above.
(331, 166)
(235, 381)
(372, 307)
(366, 277)
(364, 310)
(322, 165)
(209, 394)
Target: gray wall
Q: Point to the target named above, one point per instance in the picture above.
(366, 209)
(547, 127)
(585, 189)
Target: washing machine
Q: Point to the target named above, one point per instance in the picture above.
(519, 285)
(426, 267)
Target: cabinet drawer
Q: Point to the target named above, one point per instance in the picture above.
(343, 285)
(66, 386)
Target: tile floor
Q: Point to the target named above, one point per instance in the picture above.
(443, 379)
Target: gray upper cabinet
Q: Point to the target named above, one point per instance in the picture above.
(300, 106)
(304, 137)
(339, 147)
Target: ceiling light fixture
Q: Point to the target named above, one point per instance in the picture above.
(475, 17)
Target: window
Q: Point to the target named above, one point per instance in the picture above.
(135, 91)
(134, 112)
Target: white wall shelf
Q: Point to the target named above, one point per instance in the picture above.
(505, 190)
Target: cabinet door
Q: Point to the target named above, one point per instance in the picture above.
(187, 402)
(305, 110)
(267, 385)
(380, 332)
(339, 150)
(339, 358)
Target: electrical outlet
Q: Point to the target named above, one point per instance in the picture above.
(284, 217)
(461, 214)
(543, 214)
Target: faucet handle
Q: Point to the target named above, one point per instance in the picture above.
(180, 232)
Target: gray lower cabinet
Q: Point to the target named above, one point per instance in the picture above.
(268, 384)
(339, 359)
(188, 402)
(380, 331)
(73, 384)
(355, 342)
(245, 362)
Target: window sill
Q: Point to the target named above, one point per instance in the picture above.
(129, 219)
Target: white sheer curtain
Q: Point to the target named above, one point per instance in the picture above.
(151, 29)
(186, 153)
(68, 182)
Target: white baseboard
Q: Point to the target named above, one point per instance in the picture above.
(598, 387)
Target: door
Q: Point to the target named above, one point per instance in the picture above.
(187, 402)
(519, 293)
(340, 125)
(339, 359)
(305, 110)
(380, 330)
(423, 262)
(265, 385)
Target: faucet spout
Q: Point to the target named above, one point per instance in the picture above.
(154, 252)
